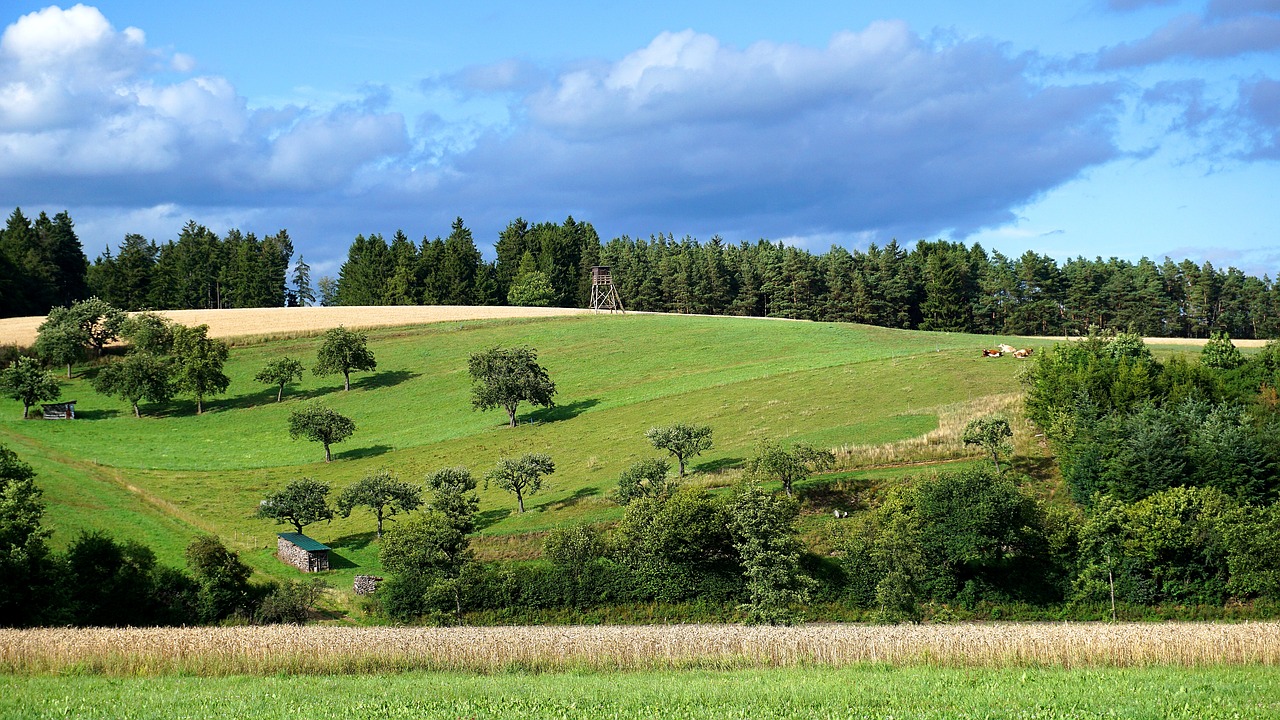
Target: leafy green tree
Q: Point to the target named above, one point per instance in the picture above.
(25, 381)
(299, 503)
(531, 287)
(61, 343)
(342, 351)
(24, 554)
(681, 440)
(788, 465)
(100, 321)
(137, 377)
(431, 553)
(1220, 353)
(280, 372)
(522, 475)
(763, 534)
(382, 493)
(198, 362)
(149, 332)
(646, 478)
(678, 547)
(993, 435)
(318, 423)
(506, 377)
(223, 580)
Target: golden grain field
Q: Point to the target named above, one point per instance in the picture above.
(294, 649)
(304, 320)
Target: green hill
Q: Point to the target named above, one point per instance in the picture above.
(164, 477)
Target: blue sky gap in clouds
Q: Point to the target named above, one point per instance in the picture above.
(1120, 127)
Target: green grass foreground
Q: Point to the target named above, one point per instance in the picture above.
(854, 692)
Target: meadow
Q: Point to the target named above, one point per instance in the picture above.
(882, 397)
(869, 691)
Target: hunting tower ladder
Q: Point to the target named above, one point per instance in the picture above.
(604, 296)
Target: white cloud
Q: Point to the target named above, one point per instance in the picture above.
(81, 100)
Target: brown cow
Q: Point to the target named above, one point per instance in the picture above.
(1023, 353)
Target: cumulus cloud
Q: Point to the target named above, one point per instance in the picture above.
(877, 131)
(84, 111)
(1229, 32)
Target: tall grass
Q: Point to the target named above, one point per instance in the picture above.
(944, 442)
(328, 650)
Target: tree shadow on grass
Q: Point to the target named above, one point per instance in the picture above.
(1038, 468)
(97, 414)
(567, 411)
(384, 379)
(364, 452)
(578, 496)
(355, 541)
(491, 517)
(243, 402)
(715, 466)
(847, 494)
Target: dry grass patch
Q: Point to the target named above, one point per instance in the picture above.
(943, 443)
(291, 649)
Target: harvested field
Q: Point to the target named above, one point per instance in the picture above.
(306, 320)
(326, 650)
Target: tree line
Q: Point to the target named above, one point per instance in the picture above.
(936, 285)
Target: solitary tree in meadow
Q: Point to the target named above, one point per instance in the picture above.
(300, 503)
(774, 461)
(280, 372)
(139, 376)
(198, 361)
(343, 351)
(992, 435)
(383, 493)
(506, 377)
(25, 381)
(522, 475)
(318, 423)
(681, 440)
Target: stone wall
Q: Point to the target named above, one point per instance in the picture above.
(366, 584)
(301, 559)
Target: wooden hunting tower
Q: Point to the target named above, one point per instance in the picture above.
(604, 296)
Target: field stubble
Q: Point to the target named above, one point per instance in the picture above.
(329, 650)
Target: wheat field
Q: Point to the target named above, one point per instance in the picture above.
(231, 323)
(327, 650)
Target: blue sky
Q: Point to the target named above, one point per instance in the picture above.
(1099, 127)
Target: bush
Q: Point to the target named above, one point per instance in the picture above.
(290, 602)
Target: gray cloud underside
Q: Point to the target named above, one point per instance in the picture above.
(880, 133)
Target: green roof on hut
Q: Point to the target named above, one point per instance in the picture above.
(303, 541)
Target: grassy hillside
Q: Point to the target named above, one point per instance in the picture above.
(164, 477)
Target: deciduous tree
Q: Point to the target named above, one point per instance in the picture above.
(381, 492)
(198, 361)
(646, 478)
(300, 503)
(280, 372)
(522, 475)
(993, 435)
(318, 423)
(681, 440)
(25, 381)
(773, 461)
(342, 351)
(506, 377)
(137, 377)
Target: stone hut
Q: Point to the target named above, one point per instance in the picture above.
(302, 552)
